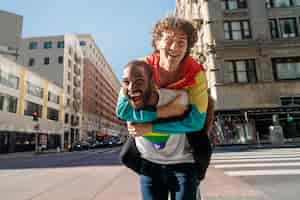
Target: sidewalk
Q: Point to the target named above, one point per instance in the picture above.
(216, 186)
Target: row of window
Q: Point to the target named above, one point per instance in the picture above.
(290, 100)
(280, 28)
(46, 45)
(244, 71)
(31, 107)
(31, 61)
(9, 104)
(73, 119)
(282, 3)
(12, 81)
(242, 4)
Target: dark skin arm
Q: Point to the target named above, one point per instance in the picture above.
(140, 129)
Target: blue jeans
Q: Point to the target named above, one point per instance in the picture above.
(178, 180)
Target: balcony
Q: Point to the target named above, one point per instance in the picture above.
(77, 58)
(74, 120)
(76, 106)
(76, 81)
(76, 93)
(76, 69)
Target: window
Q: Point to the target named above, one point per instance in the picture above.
(233, 4)
(9, 80)
(68, 102)
(33, 45)
(283, 28)
(240, 71)
(52, 114)
(66, 118)
(34, 90)
(46, 60)
(53, 97)
(69, 89)
(31, 62)
(290, 101)
(82, 43)
(60, 59)
(286, 68)
(47, 45)
(288, 27)
(8, 103)
(30, 108)
(69, 76)
(69, 63)
(282, 3)
(274, 28)
(237, 30)
(60, 44)
(70, 51)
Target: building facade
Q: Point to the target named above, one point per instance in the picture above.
(251, 49)
(60, 60)
(11, 32)
(22, 93)
(100, 92)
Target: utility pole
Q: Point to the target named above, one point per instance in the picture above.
(35, 118)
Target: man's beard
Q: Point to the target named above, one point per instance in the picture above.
(147, 95)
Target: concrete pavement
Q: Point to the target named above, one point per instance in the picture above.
(216, 186)
(120, 183)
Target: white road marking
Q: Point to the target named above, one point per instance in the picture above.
(253, 160)
(285, 164)
(216, 155)
(263, 172)
(256, 156)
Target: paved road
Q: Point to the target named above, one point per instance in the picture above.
(86, 175)
(274, 173)
(268, 174)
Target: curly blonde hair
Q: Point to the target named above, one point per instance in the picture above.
(175, 23)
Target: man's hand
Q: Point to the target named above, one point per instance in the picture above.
(139, 129)
(173, 109)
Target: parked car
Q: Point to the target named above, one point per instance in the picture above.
(82, 145)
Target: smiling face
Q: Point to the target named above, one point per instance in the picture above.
(172, 47)
(136, 84)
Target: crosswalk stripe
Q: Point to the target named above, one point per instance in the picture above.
(263, 162)
(254, 160)
(257, 156)
(254, 153)
(286, 164)
(263, 172)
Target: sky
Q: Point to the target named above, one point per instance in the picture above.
(121, 28)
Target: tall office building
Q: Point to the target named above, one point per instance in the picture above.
(100, 92)
(251, 49)
(60, 60)
(10, 36)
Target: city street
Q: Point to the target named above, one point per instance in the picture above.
(97, 174)
(93, 174)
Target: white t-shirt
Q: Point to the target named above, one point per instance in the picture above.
(177, 149)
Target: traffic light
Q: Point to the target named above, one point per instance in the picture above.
(35, 116)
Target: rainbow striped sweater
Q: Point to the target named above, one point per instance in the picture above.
(193, 81)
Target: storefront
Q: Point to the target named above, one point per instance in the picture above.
(251, 126)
